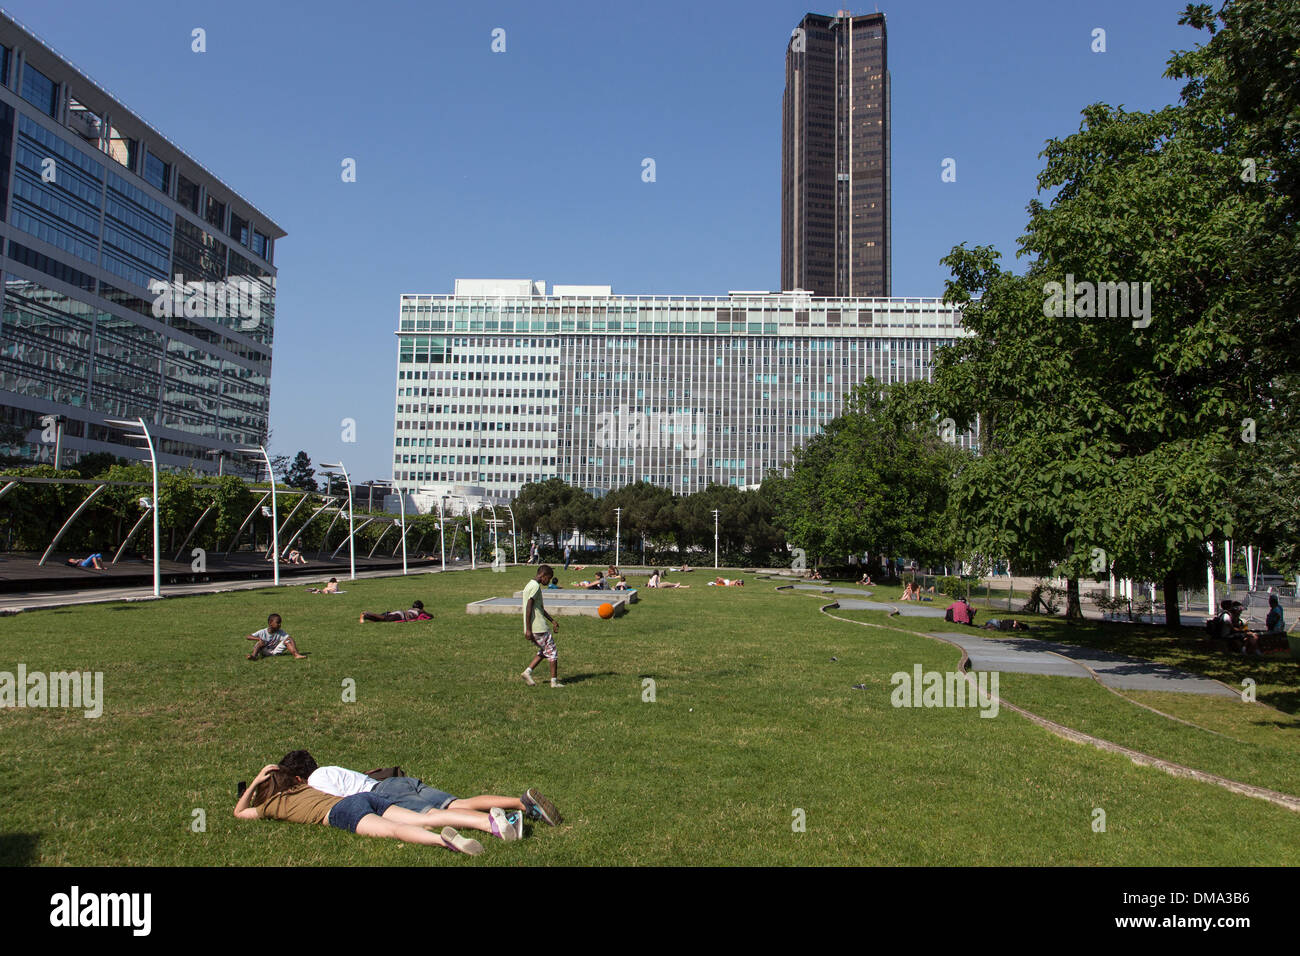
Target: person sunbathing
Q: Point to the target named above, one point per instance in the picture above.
(93, 562)
(657, 581)
(415, 613)
(727, 583)
(331, 588)
(276, 794)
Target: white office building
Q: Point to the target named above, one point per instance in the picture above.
(501, 384)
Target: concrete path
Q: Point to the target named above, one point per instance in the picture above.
(1023, 655)
(831, 589)
(907, 609)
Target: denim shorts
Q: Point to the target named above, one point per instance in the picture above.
(347, 813)
(413, 794)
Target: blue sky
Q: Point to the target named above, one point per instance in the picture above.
(527, 163)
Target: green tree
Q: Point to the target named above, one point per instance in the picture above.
(300, 474)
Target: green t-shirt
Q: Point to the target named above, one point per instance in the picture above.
(533, 589)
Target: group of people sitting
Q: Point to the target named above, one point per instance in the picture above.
(608, 580)
(386, 803)
(1228, 625)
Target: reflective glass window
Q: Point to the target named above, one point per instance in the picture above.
(39, 90)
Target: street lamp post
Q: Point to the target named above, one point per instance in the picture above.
(715, 539)
(442, 529)
(153, 463)
(275, 514)
(401, 498)
(618, 531)
(352, 541)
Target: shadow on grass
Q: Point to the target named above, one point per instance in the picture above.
(579, 678)
(18, 849)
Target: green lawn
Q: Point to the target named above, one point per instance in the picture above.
(753, 721)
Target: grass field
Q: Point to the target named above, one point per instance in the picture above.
(753, 727)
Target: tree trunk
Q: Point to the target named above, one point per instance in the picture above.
(1073, 612)
(1172, 618)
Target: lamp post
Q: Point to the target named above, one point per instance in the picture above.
(401, 498)
(153, 463)
(618, 530)
(275, 514)
(352, 541)
(715, 539)
(442, 529)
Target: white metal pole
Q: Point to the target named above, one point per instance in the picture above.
(1210, 602)
(618, 531)
(401, 497)
(715, 539)
(514, 539)
(157, 544)
(442, 534)
(473, 560)
(275, 519)
(352, 538)
(1227, 565)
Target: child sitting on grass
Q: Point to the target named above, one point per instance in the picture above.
(272, 640)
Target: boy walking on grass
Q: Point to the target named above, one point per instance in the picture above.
(273, 640)
(540, 627)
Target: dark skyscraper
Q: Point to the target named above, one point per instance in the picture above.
(835, 157)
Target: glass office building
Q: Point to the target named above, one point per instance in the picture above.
(136, 283)
(501, 384)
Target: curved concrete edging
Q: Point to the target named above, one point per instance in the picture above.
(1076, 736)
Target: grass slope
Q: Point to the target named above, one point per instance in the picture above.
(752, 722)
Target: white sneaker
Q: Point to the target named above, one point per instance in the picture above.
(528, 679)
(555, 683)
(501, 826)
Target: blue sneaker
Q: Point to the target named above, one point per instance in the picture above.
(515, 818)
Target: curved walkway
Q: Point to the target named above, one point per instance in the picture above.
(1023, 655)
(1286, 800)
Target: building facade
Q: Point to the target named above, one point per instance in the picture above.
(136, 283)
(835, 158)
(501, 384)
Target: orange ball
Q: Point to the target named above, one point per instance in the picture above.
(606, 610)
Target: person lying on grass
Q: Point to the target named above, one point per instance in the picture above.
(331, 588)
(657, 581)
(412, 793)
(273, 640)
(727, 583)
(597, 584)
(415, 612)
(276, 794)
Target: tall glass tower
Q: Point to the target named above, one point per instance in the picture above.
(835, 163)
